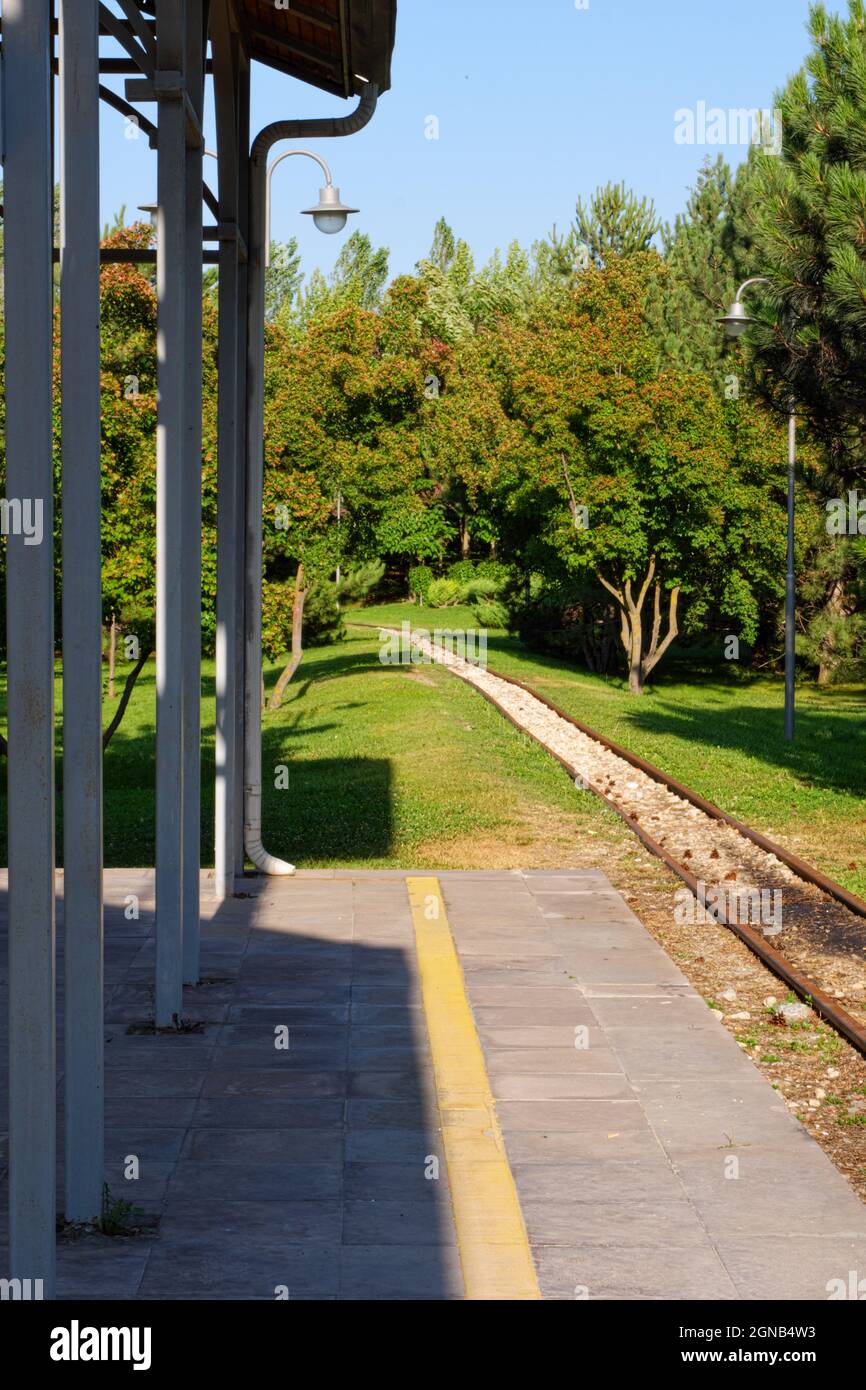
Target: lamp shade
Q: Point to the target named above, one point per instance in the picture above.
(330, 212)
(736, 320)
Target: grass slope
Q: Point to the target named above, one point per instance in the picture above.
(387, 767)
(406, 767)
(724, 737)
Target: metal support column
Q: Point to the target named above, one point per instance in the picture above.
(191, 600)
(228, 749)
(82, 605)
(170, 442)
(28, 230)
(241, 494)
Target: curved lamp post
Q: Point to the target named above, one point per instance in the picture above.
(329, 214)
(735, 322)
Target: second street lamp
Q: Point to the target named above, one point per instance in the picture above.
(736, 321)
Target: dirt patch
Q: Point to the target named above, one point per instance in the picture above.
(418, 677)
(536, 837)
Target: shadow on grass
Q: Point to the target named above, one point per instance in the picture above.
(829, 750)
(332, 808)
(329, 663)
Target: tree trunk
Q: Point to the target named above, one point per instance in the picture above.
(640, 662)
(635, 665)
(112, 652)
(465, 539)
(826, 654)
(657, 649)
(297, 641)
(124, 700)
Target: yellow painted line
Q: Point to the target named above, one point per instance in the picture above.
(491, 1236)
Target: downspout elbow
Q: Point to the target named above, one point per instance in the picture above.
(266, 863)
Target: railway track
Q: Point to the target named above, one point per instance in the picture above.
(760, 891)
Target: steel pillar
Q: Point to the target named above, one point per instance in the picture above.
(228, 751)
(28, 230)
(191, 600)
(170, 442)
(241, 492)
(82, 606)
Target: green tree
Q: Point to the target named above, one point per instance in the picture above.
(644, 480)
(808, 237)
(466, 441)
(460, 300)
(615, 223)
(283, 279)
(342, 410)
(358, 278)
(683, 306)
(831, 599)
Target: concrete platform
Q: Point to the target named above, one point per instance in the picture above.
(651, 1160)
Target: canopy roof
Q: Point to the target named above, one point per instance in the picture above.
(333, 44)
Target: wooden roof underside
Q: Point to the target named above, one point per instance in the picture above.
(332, 44)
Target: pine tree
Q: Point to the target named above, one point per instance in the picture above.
(616, 223)
(809, 226)
(683, 307)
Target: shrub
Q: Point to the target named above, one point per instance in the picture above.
(479, 589)
(574, 619)
(322, 621)
(491, 613)
(420, 579)
(357, 584)
(495, 570)
(444, 593)
(462, 571)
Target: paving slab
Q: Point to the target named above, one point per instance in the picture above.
(651, 1160)
(661, 1172)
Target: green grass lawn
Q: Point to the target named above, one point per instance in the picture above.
(402, 767)
(723, 736)
(387, 767)
(394, 614)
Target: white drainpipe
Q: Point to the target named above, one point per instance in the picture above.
(279, 130)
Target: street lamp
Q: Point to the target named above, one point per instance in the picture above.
(736, 321)
(329, 214)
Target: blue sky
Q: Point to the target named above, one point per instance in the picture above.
(536, 104)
